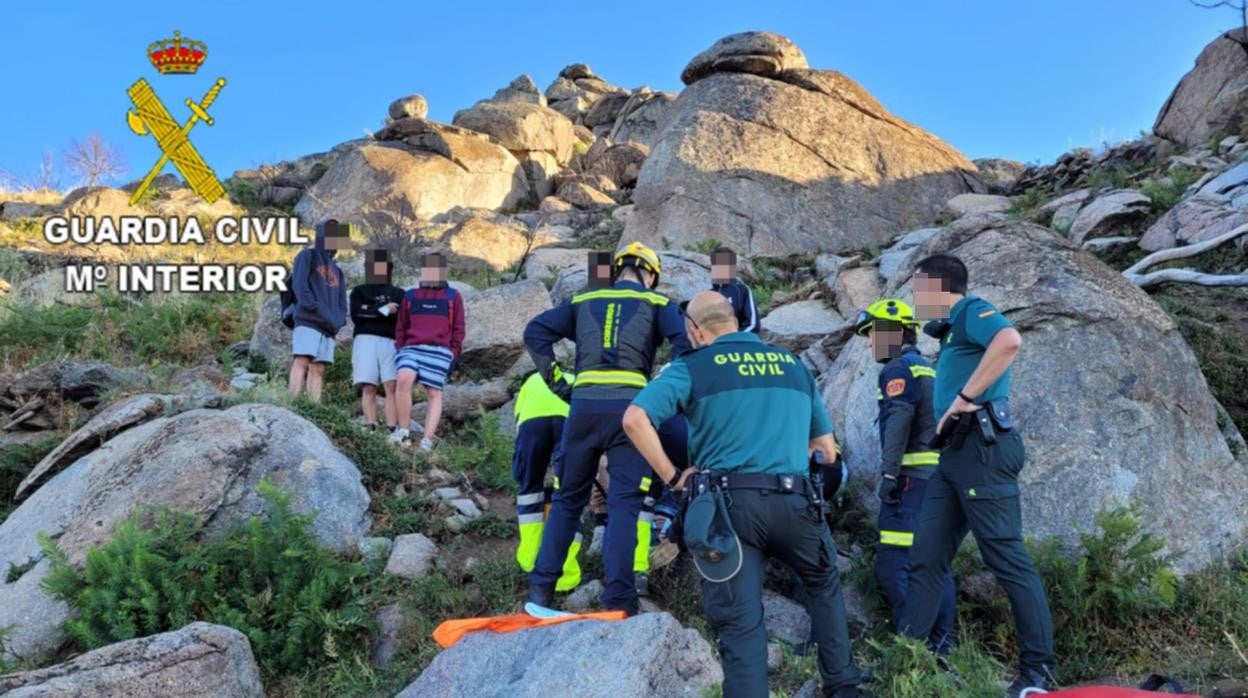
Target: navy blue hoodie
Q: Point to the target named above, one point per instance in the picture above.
(320, 290)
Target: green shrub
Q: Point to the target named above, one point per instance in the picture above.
(481, 449)
(1106, 598)
(378, 460)
(705, 245)
(121, 330)
(1117, 178)
(1166, 192)
(13, 268)
(907, 669)
(1025, 203)
(298, 604)
(16, 463)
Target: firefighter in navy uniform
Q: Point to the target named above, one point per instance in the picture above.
(617, 331)
(907, 424)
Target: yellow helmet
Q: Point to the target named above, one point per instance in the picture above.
(638, 255)
(885, 309)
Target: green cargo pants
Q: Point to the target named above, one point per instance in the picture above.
(784, 526)
(975, 488)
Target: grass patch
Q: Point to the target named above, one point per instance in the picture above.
(1022, 205)
(1166, 192)
(480, 449)
(704, 246)
(1100, 178)
(185, 330)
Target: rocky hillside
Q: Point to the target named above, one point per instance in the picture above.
(174, 524)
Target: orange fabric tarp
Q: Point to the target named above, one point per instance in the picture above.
(450, 632)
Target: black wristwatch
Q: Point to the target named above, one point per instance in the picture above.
(675, 479)
(964, 397)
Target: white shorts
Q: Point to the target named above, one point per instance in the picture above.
(372, 360)
(306, 341)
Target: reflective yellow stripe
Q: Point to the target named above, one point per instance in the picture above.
(622, 293)
(645, 484)
(879, 394)
(608, 326)
(641, 553)
(901, 539)
(921, 371)
(556, 482)
(530, 542)
(921, 458)
(615, 377)
(571, 577)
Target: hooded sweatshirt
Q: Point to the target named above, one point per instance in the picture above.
(366, 303)
(320, 290)
(431, 315)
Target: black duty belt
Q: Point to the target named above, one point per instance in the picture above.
(795, 484)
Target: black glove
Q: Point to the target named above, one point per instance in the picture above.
(891, 488)
(553, 377)
(562, 389)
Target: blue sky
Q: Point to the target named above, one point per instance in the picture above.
(1003, 78)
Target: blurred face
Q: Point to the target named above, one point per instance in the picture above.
(885, 343)
(723, 268)
(932, 301)
(598, 269)
(433, 271)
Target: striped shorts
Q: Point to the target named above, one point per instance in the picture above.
(431, 364)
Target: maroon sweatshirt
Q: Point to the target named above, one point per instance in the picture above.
(431, 315)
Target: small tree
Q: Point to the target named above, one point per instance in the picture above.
(1240, 6)
(94, 160)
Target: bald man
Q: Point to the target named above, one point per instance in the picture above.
(755, 419)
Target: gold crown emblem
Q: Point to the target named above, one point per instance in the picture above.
(177, 55)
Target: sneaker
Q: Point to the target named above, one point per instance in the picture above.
(538, 602)
(663, 554)
(426, 444)
(642, 582)
(1028, 683)
(595, 543)
(401, 436)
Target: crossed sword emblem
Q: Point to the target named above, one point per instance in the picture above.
(152, 117)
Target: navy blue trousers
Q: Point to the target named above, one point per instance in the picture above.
(897, 525)
(595, 427)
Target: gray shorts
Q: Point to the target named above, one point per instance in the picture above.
(372, 360)
(305, 341)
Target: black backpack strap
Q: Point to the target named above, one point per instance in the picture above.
(1156, 682)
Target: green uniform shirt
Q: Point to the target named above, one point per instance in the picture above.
(973, 322)
(537, 400)
(752, 407)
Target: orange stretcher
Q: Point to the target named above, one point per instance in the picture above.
(451, 631)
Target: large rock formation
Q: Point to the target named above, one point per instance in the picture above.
(201, 660)
(1212, 99)
(205, 463)
(773, 159)
(1110, 399)
(649, 655)
(496, 318)
(416, 169)
(539, 137)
